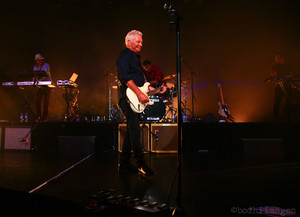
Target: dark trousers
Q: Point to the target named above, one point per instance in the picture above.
(42, 93)
(279, 96)
(132, 138)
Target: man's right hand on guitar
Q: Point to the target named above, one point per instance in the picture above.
(143, 98)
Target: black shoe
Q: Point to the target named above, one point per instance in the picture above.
(127, 168)
(145, 170)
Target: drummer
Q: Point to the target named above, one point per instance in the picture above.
(153, 73)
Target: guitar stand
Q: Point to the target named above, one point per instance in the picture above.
(230, 118)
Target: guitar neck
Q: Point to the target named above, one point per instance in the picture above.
(221, 96)
(152, 92)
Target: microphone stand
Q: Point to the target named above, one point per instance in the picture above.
(176, 18)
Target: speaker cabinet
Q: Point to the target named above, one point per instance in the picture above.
(17, 138)
(144, 129)
(164, 138)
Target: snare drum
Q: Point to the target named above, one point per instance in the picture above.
(154, 112)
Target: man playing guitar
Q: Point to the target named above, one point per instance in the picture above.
(131, 75)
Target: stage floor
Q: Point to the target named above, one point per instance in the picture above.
(214, 182)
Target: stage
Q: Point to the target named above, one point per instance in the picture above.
(228, 169)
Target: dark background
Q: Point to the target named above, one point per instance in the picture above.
(233, 41)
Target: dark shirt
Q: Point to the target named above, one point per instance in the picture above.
(129, 68)
(282, 70)
(43, 73)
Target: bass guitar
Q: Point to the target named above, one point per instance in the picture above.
(134, 101)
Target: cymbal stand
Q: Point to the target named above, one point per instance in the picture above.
(109, 104)
(172, 108)
(185, 108)
(108, 95)
(192, 79)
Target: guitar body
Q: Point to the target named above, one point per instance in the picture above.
(223, 110)
(135, 103)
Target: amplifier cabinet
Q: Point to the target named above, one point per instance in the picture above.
(144, 129)
(17, 138)
(164, 138)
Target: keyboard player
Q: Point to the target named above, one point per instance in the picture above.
(42, 73)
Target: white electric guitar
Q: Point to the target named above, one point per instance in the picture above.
(135, 103)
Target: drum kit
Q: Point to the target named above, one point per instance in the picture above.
(165, 105)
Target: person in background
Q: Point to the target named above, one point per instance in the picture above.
(42, 73)
(282, 73)
(153, 73)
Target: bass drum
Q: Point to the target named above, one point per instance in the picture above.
(155, 112)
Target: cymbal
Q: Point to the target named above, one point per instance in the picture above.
(170, 85)
(169, 77)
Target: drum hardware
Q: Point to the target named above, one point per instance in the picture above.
(109, 86)
(113, 85)
(155, 112)
(185, 109)
(172, 109)
(117, 114)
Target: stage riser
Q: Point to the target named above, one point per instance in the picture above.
(244, 144)
(82, 137)
(262, 151)
(232, 138)
(76, 145)
(227, 136)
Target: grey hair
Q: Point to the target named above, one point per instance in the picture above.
(130, 35)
